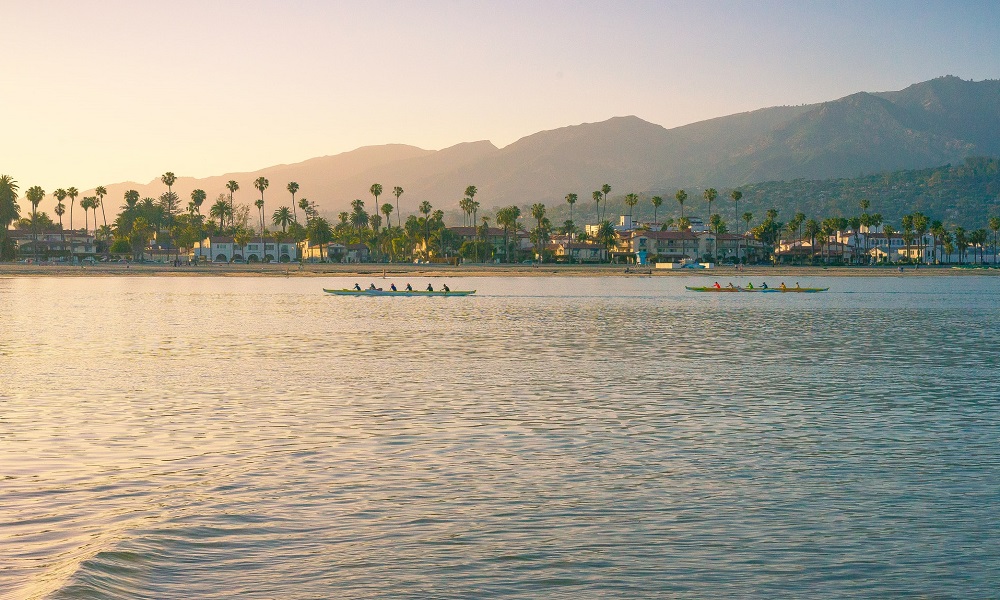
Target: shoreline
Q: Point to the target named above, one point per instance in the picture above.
(10, 270)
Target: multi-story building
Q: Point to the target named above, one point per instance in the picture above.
(225, 249)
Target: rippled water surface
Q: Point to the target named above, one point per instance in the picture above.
(546, 438)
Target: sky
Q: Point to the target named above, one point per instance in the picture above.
(100, 92)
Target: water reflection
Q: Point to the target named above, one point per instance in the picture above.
(177, 438)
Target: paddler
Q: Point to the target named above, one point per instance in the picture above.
(430, 288)
(446, 288)
(782, 286)
(717, 286)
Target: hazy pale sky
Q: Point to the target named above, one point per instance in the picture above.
(99, 92)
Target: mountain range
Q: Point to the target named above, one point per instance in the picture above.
(928, 124)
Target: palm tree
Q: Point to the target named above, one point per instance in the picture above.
(597, 200)
(605, 189)
(9, 212)
(282, 217)
(292, 188)
(198, 198)
(60, 195)
(681, 196)
(220, 210)
(630, 201)
(387, 210)
(304, 205)
(995, 226)
(100, 192)
(376, 190)
(242, 237)
(259, 203)
(233, 187)
(71, 193)
(168, 180)
(571, 200)
(261, 184)
(888, 230)
(657, 203)
(397, 192)
(35, 194)
(507, 218)
(710, 195)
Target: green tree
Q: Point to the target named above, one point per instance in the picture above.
(681, 197)
(71, 193)
(571, 200)
(597, 200)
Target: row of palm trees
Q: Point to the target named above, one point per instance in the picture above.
(164, 216)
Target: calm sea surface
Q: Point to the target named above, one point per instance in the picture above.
(546, 438)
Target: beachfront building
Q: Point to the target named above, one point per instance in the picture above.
(53, 244)
(676, 246)
(225, 249)
(577, 252)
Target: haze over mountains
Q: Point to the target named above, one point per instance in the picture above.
(925, 125)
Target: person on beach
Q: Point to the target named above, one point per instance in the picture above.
(717, 286)
(409, 288)
(430, 288)
(446, 288)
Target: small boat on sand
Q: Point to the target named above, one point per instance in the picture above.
(800, 290)
(369, 292)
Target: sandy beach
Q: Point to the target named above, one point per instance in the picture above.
(469, 270)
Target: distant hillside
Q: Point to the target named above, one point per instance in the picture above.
(932, 123)
(966, 195)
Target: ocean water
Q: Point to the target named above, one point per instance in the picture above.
(546, 438)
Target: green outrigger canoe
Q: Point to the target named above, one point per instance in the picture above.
(350, 292)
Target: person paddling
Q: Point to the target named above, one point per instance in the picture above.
(430, 288)
(409, 288)
(392, 286)
(763, 286)
(446, 288)
(782, 286)
(750, 285)
(717, 286)
(357, 287)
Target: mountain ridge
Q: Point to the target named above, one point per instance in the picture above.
(924, 125)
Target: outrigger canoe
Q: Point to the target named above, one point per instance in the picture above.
(349, 292)
(801, 290)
